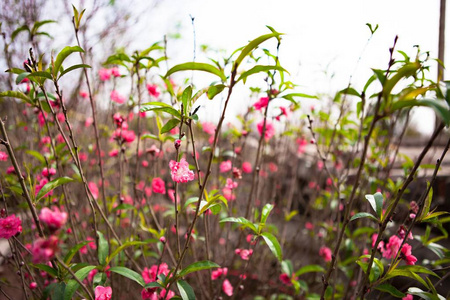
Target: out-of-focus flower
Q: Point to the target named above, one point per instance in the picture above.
(44, 250)
(216, 274)
(407, 255)
(263, 101)
(10, 226)
(325, 253)
(225, 166)
(227, 288)
(158, 186)
(115, 72)
(104, 74)
(209, 128)
(153, 90)
(269, 130)
(244, 253)
(103, 293)
(116, 97)
(54, 219)
(3, 156)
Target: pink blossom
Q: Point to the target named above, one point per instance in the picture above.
(180, 171)
(325, 252)
(44, 250)
(246, 167)
(231, 184)
(113, 153)
(33, 285)
(89, 121)
(407, 255)
(263, 101)
(284, 278)
(115, 72)
(301, 142)
(216, 274)
(3, 156)
(209, 128)
(94, 189)
(153, 90)
(225, 166)
(228, 194)
(227, 288)
(158, 186)
(48, 172)
(54, 219)
(150, 275)
(269, 130)
(116, 97)
(84, 94)
(309, 225)
(244, 253)
(408, 297)
(273, 167)
(123, 135)
(392, 247)
(10, 226)
(104, 74)
(171, 194)
(103, 293)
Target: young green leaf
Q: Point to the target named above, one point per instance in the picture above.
(195, 66)
(171, 124)
(197, 266)
(273, 244)
(424, 295)
(18, 95)
(387, 288)
(74, 67)
(186, 98)
(49, 186)
(126, 245)
(72, 285)
(129, 274)
(186, 291)
(363, 215)
(62, 56)
(73, 251)
(103, 248)
(214, 90)
(252, 46)
(376, 201)
(242, 221)
(265, 212)
(308, 269)
(257, 69)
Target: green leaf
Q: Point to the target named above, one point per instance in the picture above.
(417, 269)
(57, 292)
(153, 284)
(440, 107)
(265, 212)
(72, 285)
(126, 245)
(185, 98)
(36, 155)
(350, 91)
(18, 95)
(197, 266)
(40, 74)
(363, 215)
(424, 295)
(242, 221)
(195, 66)
(214, 90)
(407, 70)
(62, 56)
(376, 201)
(308, 269)
(170, 125)
(46, 268)
(186, 291)
(290, 97)
(74, 67)
(103, 248)
(129, 274)
(160, 106)
(74, 251)
(257, 69)
(49, 186)
(286, 267)
(387, 288)
(273, 244)
(123, 206)
(252, 46)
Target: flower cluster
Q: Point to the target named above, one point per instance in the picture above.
(180, 171)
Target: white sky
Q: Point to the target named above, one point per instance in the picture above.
(321, 35)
